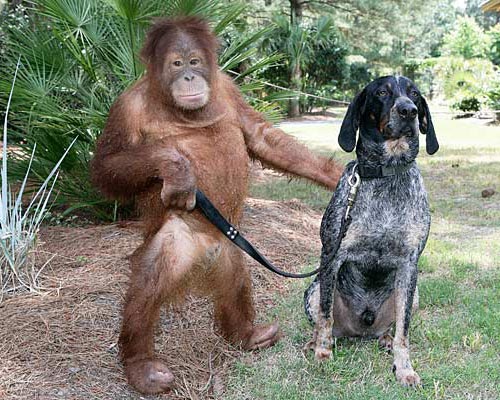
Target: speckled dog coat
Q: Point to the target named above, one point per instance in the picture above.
(370, 282)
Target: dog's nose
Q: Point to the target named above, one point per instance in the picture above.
(407, 110)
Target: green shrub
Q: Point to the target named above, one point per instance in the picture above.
(19, 224)
(467, 40)
(494, 35)
(77, 57)
(459, 79)
(467, 104)
(358, 74)
(317, 48)
(494, 94)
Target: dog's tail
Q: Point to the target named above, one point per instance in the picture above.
(368, 317)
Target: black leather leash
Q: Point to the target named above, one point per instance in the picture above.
(354, 180)
(216, 218)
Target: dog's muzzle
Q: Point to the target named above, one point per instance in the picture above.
(403, 119)
(406, 109)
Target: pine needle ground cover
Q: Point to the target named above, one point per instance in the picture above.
(62, 344)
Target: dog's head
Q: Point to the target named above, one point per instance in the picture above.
(391, 110)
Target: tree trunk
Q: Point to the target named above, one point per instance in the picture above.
(296, 9)
(295, 84)
(14, 3)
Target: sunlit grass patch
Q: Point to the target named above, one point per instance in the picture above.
(454, 336)
(454, 344)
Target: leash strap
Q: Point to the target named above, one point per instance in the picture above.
(216, 218)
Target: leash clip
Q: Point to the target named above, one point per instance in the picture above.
(354, 180)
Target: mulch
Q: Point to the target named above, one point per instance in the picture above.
(61, 344)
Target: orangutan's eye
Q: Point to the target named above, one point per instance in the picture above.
(177, 63)
(194, 61)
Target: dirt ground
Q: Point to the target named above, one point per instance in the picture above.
(62, 344)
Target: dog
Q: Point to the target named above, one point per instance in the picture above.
(369, 283)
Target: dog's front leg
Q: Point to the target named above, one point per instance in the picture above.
(406, 282)
(321, 303)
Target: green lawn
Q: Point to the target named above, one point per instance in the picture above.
(455, 336)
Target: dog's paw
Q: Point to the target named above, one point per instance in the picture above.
(407, 377)
(311, 345)
(385, 342)
(322, 354)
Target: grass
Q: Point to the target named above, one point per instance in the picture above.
(455, 336)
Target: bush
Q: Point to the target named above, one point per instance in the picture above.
(467, 104)
(319, 50)
(494, 35)
(459, 79)
(494, 93)
(19, 225)
(77, 57)
(357, 76)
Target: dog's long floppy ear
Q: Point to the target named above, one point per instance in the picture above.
(350, 124)
(427, 128)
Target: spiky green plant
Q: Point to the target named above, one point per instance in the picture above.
(18, 224)
(77, 56)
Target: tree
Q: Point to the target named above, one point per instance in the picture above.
(314, 56)
(467, 39)
(297, 37)
(484, 20)
(494, 34)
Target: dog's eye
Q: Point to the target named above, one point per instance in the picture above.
(382, 93)
(414, 93)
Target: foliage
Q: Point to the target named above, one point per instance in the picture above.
(467, 104)
(382, 33)
(19, 225)
(316, 48)
(8, 20)
(465, 83)
(388, 32)
(357, 76)
(494, 93)
(494, 35)
(483, 19)
(466, 40)
(77, 56)
(327, 69)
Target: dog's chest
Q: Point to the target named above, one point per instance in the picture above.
(390, 218)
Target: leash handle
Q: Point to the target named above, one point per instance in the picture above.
(215, 217)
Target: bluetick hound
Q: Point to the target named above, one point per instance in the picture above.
(370, 282)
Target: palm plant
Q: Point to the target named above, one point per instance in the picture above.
(18, 224)
(314, 46)
(77, 56)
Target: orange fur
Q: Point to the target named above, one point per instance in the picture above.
(158, 154)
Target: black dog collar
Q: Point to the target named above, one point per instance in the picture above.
(383, 171)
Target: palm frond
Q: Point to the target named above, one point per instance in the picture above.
(77, 57)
